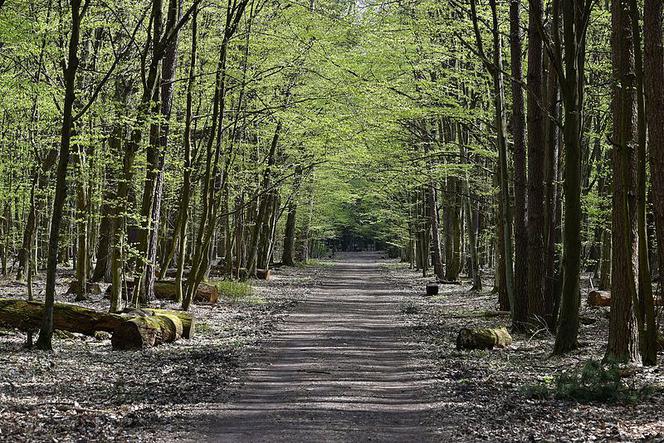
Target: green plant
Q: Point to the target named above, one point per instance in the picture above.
(234, 289)
(593, 382)
(409, 308)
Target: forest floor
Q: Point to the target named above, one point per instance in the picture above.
(84, 391)
(347, 350)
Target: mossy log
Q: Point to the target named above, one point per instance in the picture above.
(133, 329)
(147, 331)
(166, 290)
(483, 338)
(599, 298)
(187, 320)
(27, 316)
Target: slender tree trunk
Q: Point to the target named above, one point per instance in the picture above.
(520, 309)
(536, 154)
(291, 219)
(647, 323)
(44, 341)
(551, 203)
(572, 91)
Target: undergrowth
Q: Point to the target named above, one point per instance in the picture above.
(593, 382)
(234, 290)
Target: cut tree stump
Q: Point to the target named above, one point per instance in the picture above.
(263, 274)
(432, 289)
(483, 338)
(206, 293)
(599, 298)
(75, 288)
(27, 316)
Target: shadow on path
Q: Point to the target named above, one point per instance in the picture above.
(340, 368)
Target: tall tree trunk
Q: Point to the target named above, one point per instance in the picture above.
(536, 154)
(572, 85)
(44, 340)
(654, 107)
(647, 324)
(521, 240)
(291, 219)
(623, 343)
(551, 203)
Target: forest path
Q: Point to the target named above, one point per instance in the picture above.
(340, 368)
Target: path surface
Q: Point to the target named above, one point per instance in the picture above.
(341, 368)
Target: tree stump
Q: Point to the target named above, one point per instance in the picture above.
(599, 298)
(432, 289)
(263, 274)
(483, 338)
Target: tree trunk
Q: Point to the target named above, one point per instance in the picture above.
(654, 111)
(572, 93)
(521, 240)
(536, 153)
(67, 129)
(623, 343)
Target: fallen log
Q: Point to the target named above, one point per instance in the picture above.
(483, 338)
(27, 316)
(133, 329)
(206, 293)
(599, 298)
(145, 332)
(187, 320)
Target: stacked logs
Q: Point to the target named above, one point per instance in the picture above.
(131, 329)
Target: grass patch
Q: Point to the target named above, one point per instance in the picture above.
(594, 382)
(202, 328)
(409, 308)
(235, 290)
(315, 263)
(239, 292)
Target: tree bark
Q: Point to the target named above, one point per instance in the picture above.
(519, 137)
(536, 153)
(623, 343)
(44, 341)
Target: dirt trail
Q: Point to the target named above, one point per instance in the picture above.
(341, 368)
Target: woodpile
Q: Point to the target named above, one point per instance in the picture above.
(132, 329)
(488, 338)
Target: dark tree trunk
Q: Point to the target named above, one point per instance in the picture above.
(520, 309)
(44, 341)
(536, 154)
(623, 343)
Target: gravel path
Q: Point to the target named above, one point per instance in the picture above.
(341, 368)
